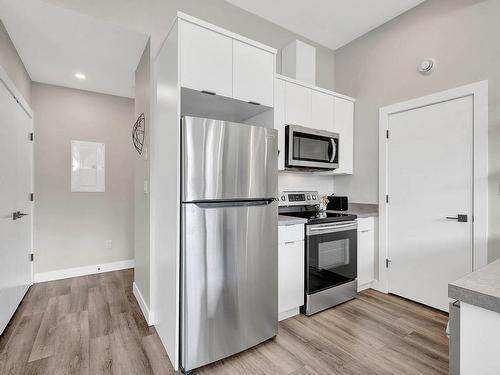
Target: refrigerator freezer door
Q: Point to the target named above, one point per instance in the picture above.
(229, 281)
(227, 161)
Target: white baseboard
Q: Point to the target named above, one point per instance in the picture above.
(148, 315)
(288, 314)
(365, 286)
(82, 271)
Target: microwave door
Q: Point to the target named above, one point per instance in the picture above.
(311, 148)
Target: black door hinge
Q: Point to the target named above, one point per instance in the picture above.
(32, 257)
(387, 198)
(387, 133)
(32, 136)
(32, 197)
(387, 262)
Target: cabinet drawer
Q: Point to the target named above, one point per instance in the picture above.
(366, 224)
(289, 233)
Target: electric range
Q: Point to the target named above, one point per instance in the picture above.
(330, 250)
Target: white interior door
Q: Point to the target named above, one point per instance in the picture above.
(430, 178)
(16, 152)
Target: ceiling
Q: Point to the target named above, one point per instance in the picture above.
(331, 23)
(55, 43)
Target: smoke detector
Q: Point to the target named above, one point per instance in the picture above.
(427, 66)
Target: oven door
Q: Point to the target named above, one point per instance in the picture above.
(311, 148)
(331, 255)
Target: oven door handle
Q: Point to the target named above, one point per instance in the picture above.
(332, 228)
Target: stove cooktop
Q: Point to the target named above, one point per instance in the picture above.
(316, 217)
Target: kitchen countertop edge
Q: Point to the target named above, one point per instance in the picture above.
(290, 220)
(478, 288)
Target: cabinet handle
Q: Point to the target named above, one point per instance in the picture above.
(364, 231)
(254, 103)
(208, 92)
(288, 243)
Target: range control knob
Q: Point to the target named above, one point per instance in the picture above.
(283, 198)
(314, 197)
(308, 197)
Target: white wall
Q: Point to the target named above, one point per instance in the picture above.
(305, 181)
(141, 174)
(380, 68)
(11, 62)
(70, 229)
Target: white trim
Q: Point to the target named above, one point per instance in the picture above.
(365, 286)
(11, 87)
(82, 271)
(220, 30)
(479, 92)
(288, 314)
(148, 315)
(315, 88)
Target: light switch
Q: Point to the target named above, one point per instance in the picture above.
(145, 186)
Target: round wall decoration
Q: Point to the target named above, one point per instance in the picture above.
(138, 132)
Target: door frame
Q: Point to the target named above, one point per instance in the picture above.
(19, 98)
(479, 93)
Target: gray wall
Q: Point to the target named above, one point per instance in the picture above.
(380, 68)
(141, 174)
(11, 62)
(71, 228)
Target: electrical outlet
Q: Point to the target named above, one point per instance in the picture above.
(109, 244)
(145, 186)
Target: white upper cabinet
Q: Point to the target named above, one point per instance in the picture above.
(344, 125)
(322, 116)
(253, 74)
(297, 105)
(222, 63)
(206, 60)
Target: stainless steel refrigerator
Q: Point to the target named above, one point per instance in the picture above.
(229, 257)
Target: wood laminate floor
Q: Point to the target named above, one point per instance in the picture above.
(93, 325)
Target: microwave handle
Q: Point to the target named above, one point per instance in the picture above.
(333, 149)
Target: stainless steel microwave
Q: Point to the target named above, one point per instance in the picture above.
(310, 149)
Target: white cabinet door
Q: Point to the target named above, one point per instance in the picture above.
(322, 114)
(297, 105)
(206, 60)
(290, 275)
(279, 120)
(366, 251)
(253, 74)
(344, 125)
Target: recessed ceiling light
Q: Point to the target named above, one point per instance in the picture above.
(80, 76)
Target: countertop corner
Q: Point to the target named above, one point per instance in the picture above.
(480, 288)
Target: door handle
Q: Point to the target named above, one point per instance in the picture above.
(17, 215)
(459, 218)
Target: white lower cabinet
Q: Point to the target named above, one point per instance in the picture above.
(290, 270)
(366, 252)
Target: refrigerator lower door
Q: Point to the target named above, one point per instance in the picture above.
(229, 279)
(226, 160)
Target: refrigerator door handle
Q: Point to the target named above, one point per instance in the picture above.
(244, 203)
